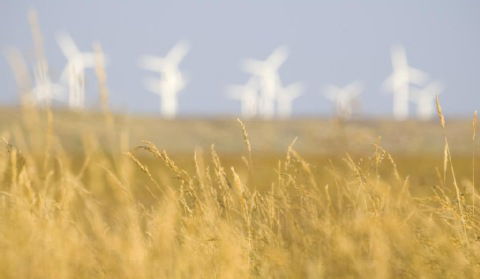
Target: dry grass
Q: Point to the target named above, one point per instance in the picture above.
(137, 213)
(78, 200)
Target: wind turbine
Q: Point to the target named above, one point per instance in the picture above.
(74, 72)
(267, 73)
(248, 96)
(44, 90)
(400, 80)
(171, 80)
(425, 99)
(343, 98)
(285, 98)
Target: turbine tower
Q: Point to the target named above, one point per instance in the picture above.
(171, 80)
(285, 98)
(424, 98)
(400, 80)
(343, 98)
(74, 72)
(267, 73)
(248, 96)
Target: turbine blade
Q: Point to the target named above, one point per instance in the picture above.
(67, 45)
(278, 57)
(177, 53)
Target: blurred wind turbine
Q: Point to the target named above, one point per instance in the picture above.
(267, 73)
(171, 80)
(424, 98)
(74, 73)
(400, 80)
(44, 90)
(285, 98)
(343, 98)
(248, 96)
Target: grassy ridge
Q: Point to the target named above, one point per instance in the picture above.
(314, 136)
(81, 196)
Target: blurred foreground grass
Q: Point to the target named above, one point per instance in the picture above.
(82, 195)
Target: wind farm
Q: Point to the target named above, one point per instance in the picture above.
(263, 96)
(248, 140)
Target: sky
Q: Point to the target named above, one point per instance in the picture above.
(329, 42)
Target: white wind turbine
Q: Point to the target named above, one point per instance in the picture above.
(44, 90)
(424, 98)
(248, 96)
(285, 98)
(171, 80)
(343, 98)
(74, 72)
(400, 80)
(267, 73)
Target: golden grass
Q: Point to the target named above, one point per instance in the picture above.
(138, 213)
(77, 200)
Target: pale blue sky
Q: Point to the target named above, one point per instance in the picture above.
(330, 42)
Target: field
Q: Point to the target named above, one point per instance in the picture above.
(92, 195)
